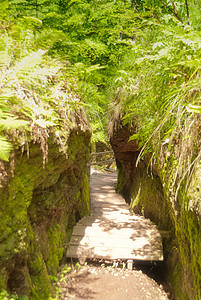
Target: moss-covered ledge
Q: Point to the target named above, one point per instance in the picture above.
(40, 204)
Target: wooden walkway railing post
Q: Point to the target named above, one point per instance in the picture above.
(103, 161)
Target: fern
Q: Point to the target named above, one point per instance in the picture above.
(12, 122)
(5, 148)
(34, 91)
(160, 81)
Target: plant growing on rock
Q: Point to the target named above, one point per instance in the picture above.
(35, 95)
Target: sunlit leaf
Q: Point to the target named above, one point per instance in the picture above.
(12, 123)
(194, 108)
(5, 149)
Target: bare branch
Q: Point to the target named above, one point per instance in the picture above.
(173, 11)
(187, 11)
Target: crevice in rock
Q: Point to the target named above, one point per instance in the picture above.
(18, 276)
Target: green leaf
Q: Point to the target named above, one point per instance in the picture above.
(45, 124)
(134, 137)
(29, 62)
(194, 108)
(12, 123)
(5, 149)
(33, 21)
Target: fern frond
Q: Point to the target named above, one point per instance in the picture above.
(29, 62)
(12, 123)
(5, 149)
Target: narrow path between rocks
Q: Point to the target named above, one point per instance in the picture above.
(111, 231)
(101, 280)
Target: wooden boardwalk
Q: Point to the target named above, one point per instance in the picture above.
(111, 232)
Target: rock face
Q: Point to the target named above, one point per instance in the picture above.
(169, 198)
(40, 204)
(140, 186)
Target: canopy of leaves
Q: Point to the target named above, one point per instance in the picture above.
(143, 53)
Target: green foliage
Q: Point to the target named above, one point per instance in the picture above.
(7, 122)
(5, 296)
(154, 79)
(143, 56)
(157, 89)
(64, 273)
(5, 148)
(159, 82)
(93, 36)
(34, 91)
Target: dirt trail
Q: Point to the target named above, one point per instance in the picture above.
(108, 283)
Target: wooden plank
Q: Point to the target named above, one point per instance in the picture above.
(113, 253)
(138, 243)
(85, 239)
(106, 220)
(123, 222)
(100, 153)
(118, 216)
(112, 232)
(104, 224)
(110, 208)
(108, 161)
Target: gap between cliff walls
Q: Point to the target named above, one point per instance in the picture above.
(140, 185)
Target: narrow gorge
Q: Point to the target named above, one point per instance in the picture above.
(82, 77)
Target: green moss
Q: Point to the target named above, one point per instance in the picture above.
(83, 197)
(3, 279)
(146, 195)
(186, 278)
(189, 240)
(177, 282)
(14, 206)
(39, 208)
(135, 200)
(56, 237)
(120, 180)
(41, 285)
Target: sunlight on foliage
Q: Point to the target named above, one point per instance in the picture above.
(35, 97)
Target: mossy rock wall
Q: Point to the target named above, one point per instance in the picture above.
(140, 186)
(185, 214)
(39, 207)
(154, 193)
